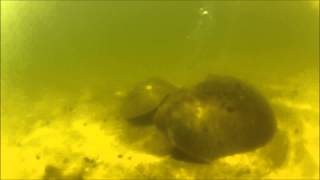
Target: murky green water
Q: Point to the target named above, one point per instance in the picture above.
(57, 56)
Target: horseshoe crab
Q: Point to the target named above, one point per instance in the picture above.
(219, 116)
(141, 102)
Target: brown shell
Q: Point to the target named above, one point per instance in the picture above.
(141, 102)
(217, 117)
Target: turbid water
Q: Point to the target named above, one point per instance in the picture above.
(66, 67)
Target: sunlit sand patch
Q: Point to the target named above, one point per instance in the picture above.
(71, 139)
(295, 105)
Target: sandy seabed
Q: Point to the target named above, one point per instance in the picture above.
(58, 136)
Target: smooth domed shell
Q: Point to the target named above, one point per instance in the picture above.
(217, 117)
(141, 102)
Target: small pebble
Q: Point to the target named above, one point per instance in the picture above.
(89, 160)
(66, 160)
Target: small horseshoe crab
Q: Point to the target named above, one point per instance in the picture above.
(140, 104)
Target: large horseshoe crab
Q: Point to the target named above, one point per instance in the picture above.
(219, 116)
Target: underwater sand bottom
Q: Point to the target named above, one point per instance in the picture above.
(55, 136)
